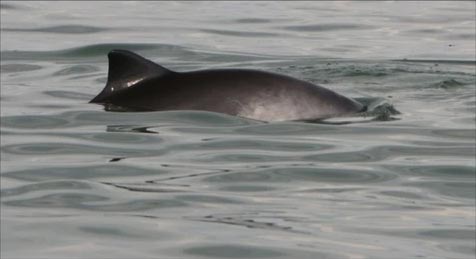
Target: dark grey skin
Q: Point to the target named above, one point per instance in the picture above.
(136, 83)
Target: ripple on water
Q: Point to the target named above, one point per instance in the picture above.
(455, 133)
(285, 128)
(245, 188)
(64, 148)
(448, 84)
(94, 202)
(114, 144)
(252, 20)
(232, 251)
(456, 190)
(303, 174)
(244, 250)
(16, 68)
(433, 234)
(68, 95)
(33, 122)
(382, 153)
(327, 27)
(346, 157)
(260, 144)
(218, 150)
(239, 33)
(416, 151)
(46, 186)
(212, 199)
(76, 69)
(122, 138)
(82, 172)
(409, 194)
(250, 157)
(7, 6)
(455, 181)
(117, 231)
(62, 29)
(96, 52)
(437, 172)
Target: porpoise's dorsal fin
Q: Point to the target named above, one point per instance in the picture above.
(127, 69)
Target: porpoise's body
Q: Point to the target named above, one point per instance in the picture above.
(139, 84)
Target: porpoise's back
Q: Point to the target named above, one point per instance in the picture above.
(246, 93)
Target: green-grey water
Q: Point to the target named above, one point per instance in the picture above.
(80, 182)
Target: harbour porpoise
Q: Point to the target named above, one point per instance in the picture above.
(135, 83)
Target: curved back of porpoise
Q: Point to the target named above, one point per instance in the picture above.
(139, 84)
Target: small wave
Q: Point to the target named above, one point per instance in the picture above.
(8, 6)
(438, 61)
(286, 174)
(46, 186)
(465, 36)
(238, 220)
(15, 68)
(448, 84)
(253, 20)
(76, 69)
(94, 202)
(103, 49)
(62, 29)
(239, 33)
(96, 52)
(67, 95)
(82, 172)
(327, 27)
(225, 250)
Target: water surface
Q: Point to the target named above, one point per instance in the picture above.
(79, 182)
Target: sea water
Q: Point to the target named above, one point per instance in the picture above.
(80, 182)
